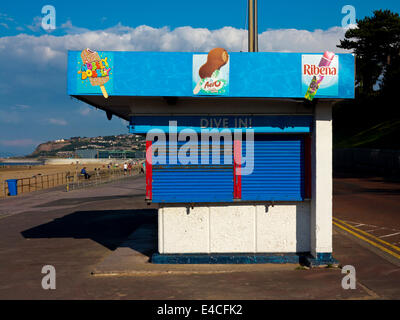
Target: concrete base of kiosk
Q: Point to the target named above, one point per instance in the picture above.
(283, 227)
(304, 258)
(240, 234)
(233, 258)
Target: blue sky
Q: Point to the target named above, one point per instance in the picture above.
(34, 106)
(199, 14)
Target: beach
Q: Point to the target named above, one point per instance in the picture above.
(47, 176)
(19, 172)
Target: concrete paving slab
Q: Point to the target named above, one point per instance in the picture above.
(58, 197)
(376, 271)
(133, 258)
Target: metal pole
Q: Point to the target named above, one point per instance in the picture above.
(255, 26)
(251, 26)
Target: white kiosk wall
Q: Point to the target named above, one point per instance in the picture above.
(294, 227)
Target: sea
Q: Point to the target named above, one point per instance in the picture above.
(27, 163)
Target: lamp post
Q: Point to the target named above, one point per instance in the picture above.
(253, 26)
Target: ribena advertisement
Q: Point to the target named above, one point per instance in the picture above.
(319, 75)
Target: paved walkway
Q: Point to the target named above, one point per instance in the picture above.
(57, 197)
(371, 203)
(79, 231)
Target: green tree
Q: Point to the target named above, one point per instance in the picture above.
(376, 43)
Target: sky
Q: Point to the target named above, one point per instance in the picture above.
(34, 105)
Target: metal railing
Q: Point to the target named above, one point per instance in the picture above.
(79, 181)
(71, 180)
(36, 183)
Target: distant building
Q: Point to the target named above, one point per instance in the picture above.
(108, 154)
(87, 153)
(120, 154)
(65, 154)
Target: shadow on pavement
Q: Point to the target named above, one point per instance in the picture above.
(109, 228)
(366, 185)
(77, 201)
(383, 191)
(393, 178)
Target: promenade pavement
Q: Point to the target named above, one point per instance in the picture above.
(87, 233)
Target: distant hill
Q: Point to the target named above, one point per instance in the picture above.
(47, 148)
(67, 147)
(384, 135)
(371, 122)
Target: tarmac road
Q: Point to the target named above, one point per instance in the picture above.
(370, 204)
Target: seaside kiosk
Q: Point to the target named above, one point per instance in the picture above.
(238, 146)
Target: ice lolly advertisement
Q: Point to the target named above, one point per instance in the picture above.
(320, 75)
(95, 72)
(211, 73)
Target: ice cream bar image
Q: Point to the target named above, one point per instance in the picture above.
(316, 80)
(92, 57)
(216, 59)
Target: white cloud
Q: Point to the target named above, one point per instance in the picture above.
(19, 143)
(4, 16)
(9, 22)
(10, 117)
(350, 26)
(36, 24)
(84, 110)
(42, 59)
(71, 29)
(58, 122)
(20, 107)
(12, 114)
(293, 40)
(46, 49)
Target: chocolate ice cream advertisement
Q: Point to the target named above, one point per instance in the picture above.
(211, 73)
(320, 75)
(95, 72)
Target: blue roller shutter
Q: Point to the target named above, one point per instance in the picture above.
(278, 173)
(191, 183)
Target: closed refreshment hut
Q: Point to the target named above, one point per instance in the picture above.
(237, 159)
